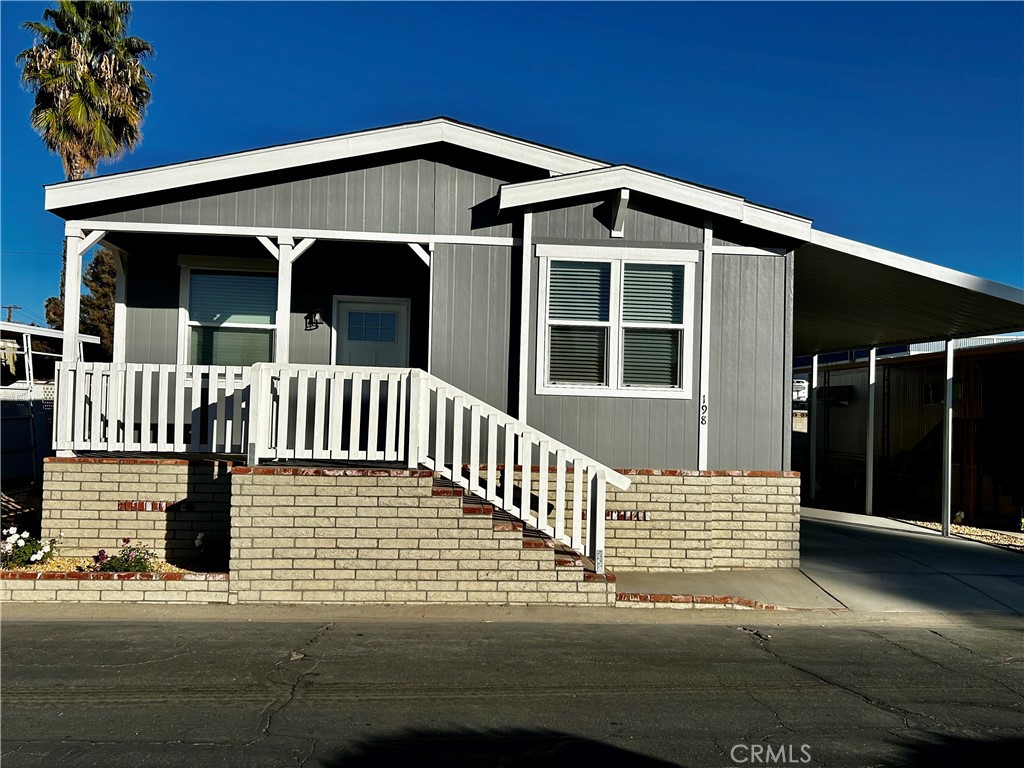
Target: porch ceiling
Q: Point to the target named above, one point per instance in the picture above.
(851, 296)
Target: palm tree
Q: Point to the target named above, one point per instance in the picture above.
(91, 90)
(90, 84)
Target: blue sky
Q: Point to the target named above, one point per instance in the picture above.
(899, 125)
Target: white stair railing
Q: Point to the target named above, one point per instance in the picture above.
(345, 413)
(470, 443)
(154, 408)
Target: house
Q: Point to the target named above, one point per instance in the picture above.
(431, 362)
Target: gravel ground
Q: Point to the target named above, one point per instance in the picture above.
(60, 564)
(984, 535)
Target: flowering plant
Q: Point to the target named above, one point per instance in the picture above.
(131, 558)
(20, 549)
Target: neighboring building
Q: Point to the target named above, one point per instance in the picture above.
(571, 317)
(988, 431)
(27, 367)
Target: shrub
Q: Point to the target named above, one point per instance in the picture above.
(21, 550)
(132, 558)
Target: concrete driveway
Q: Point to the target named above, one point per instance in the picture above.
(875, 564)
(866, 564)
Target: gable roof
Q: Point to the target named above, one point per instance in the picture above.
(665, 187)
(298, 154)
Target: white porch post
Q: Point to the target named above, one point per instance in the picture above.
(869, 448)
(947, 440)
(72, 295)
(282, 336)
(120, 309)
(812, 427)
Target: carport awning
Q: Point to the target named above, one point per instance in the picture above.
(848, 295)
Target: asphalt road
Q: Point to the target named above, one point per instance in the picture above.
(369, 692)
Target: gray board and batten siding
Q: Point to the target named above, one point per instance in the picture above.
(751, 295)
(437, 190)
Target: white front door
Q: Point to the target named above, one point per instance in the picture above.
(372, 332)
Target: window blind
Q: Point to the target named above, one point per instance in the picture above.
(653, 293)
(650, 357)
(232, 297)
(231, 346)
(578, 355)
(580, 290)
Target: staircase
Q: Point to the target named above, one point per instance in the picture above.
(563, 558)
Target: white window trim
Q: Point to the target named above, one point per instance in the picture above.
(213, 264)
(618, 258)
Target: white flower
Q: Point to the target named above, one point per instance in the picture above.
(8, 546)
(12, 538)
(46, 548)
(9, 530)
(35, 557)
(24, 534)
(21, 542)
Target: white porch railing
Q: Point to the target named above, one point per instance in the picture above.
(154, 408)
(273, 412)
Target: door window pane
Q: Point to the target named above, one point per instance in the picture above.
(372, 326)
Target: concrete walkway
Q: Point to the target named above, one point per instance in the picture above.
(866, 564)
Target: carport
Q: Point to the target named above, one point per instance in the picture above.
(852, 296)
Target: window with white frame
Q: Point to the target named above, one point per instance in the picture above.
(615, 322)
(231, 317)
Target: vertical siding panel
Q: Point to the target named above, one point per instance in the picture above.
(190, 212)
(319, 203)
(355, 184)
(396, 176)
(227, 209)
(208, 211)
(426, 184)
(264, 209)
(280, 213)
(246, 208)
(442, 199)
(301, 203)
(336, 201)
(171, 213)
(374, 197)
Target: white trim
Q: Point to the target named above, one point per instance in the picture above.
(312, 152)
(916, 266)
(737, 250)
(336, 301)
(70, 350)
(120, 308)
(619, 217)
(618, 258)
(92, 239)
(301, 247)
(869, 447)
(283, 313)
(947, 441)
(185, 274)
(704, 383)
(812, 429)
(279, 232)
(38, 330)
(605, 253)
(682, 192)
(218, 264)
(430, 310)
(524, 315)
(420, 251)
(270, 245)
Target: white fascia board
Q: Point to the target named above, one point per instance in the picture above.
(304, 153)
(916, 266)
(780, 222)
(50, 333)
(623, 177)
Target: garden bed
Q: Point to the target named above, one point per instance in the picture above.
(61, 564)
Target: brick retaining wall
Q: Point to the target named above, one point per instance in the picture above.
(179, 508)
(20, 587)
(382, 536)
(684, 520)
